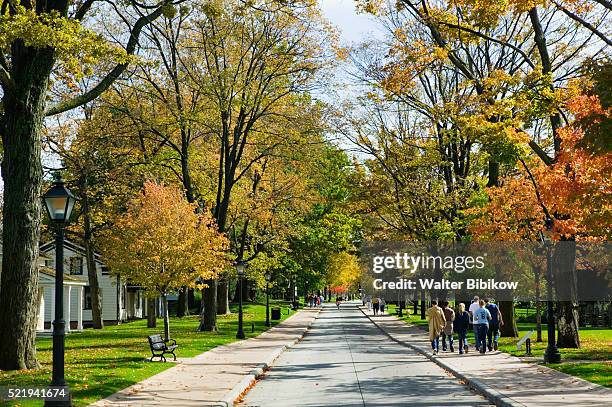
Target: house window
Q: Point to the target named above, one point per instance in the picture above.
(105, 270)
(87, 297)
(138, 299)
(76, 265)
(123, 296)
(50, 263)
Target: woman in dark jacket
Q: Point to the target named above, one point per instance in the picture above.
(461, 325)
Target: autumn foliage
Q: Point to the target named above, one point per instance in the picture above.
(575, 190)
(162, 244)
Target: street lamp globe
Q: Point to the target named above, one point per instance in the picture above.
(59, 201)
(240, 268)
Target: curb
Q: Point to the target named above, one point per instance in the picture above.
(247, 381)
(491, 394)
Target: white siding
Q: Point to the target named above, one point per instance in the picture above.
(49, 307)
(108, 287)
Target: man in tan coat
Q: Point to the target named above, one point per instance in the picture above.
(436, 319)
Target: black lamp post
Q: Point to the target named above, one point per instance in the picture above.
(59, 202)
(551, 355)
(268, 277)
(240, 270)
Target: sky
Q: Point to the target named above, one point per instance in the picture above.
(353, 27)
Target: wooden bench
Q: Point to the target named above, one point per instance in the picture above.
(159, 347)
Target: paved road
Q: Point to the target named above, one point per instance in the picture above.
(345, 360)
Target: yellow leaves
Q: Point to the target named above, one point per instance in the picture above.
(343, 270)
(483, 13)
(77, 47)
(374, 7)
(162, 244)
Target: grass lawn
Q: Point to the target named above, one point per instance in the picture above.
(592, 361)
(101, 362)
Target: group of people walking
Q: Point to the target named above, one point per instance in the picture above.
(314, 300)
(484, 316)
(375, 304)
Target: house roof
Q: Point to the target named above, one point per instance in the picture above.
(68, 279)
(50, 246)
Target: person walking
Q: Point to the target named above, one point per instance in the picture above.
(472, 310)
(338, 300)
(436, 319)
(494, 325)
(447, 333)
(461, 326)
(375, 304)
(482, 316)
(381, 305)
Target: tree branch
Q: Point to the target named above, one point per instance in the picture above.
(488, 38)
(606, 3)
(83, 9)
(585, 23)
(540, 153)
(112, 75)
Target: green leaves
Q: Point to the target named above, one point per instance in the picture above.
(78, 48)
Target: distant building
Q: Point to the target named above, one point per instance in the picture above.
(120, 302)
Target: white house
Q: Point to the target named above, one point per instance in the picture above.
(120, 302)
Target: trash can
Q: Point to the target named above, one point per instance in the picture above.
(276, 314)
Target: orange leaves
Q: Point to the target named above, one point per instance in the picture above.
(576, 190)
(511, 214)
(162, 244)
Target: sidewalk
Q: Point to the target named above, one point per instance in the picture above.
(503, 379)
(216, 377)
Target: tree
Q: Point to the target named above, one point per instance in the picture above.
(254, 65)
(162, 244)
(160, 99)
(343, 271)
(102, 172)
(41, 42)
(516, 57)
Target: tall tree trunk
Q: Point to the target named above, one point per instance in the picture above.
(246, 291)
(92, 273)
(94, 287)
(166, 317)
(509, 329)
(223, 296)
(567, 325)
(566, 287)
(151, 313)
(537, 272)
(181, 306)
(191, 299)
(20, 125)
(507, 311)
(493, 178)
(208, 321)
(423, 305)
